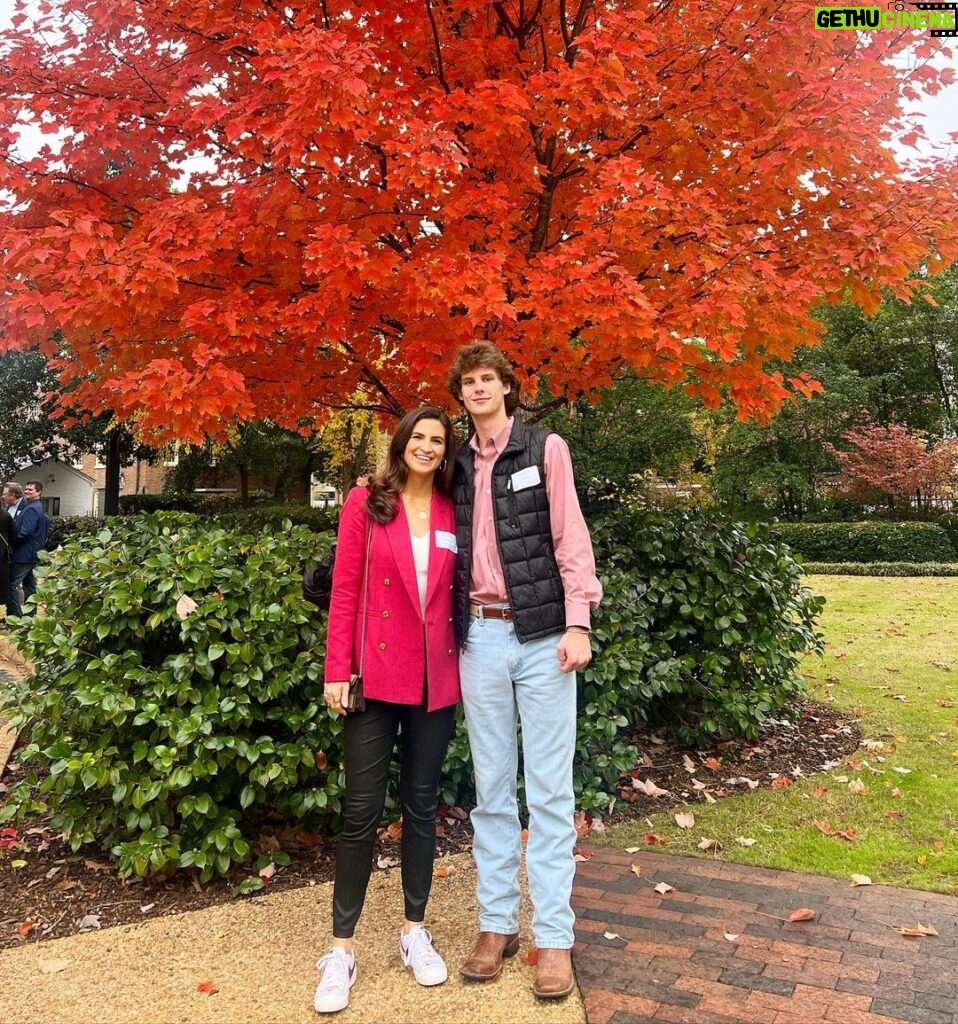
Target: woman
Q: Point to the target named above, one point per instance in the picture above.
(393, 625)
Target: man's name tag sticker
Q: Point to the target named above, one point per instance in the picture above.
(524, 478)
(446, 540)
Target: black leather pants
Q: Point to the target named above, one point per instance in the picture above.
(369, 737)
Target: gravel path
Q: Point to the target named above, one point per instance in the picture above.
(260, 955)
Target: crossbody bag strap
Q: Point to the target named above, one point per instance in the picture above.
(365, 609)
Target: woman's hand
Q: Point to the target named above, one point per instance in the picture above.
(336, 696)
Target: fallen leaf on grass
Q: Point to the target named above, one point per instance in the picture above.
(860, 880)
(650, 839)
(53, 966)
(805, 914)
(781, 782)
(918, 931)
(819, 791)
(893, 814)
(710, 844)
(709, 799)
(745, 841)
(902, 771)
(532, 957)
(208, 987)
(632, 849)
(663, 887)
(685, 819)
(858, 787)
(824, 828)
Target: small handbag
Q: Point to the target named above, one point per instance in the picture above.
(355, 699)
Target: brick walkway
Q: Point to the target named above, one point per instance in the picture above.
(670, 959)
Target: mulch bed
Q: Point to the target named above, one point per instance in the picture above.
(47, 891)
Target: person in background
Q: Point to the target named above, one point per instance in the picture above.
(30, 530)
(390, 620)
(6, 546)
(525, 587)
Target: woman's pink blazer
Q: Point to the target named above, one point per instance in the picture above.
(401, 650)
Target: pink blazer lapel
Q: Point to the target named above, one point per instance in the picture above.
(397, 533)
(443, 521)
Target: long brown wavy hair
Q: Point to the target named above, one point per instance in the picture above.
(386, 483)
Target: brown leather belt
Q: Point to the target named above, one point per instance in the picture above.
(488, 611)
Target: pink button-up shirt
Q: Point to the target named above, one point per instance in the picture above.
(570, 535)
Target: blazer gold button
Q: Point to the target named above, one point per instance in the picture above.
(382, 647)
(449, 652)
(385, 615)
(386, 583)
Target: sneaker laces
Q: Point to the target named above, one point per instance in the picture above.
(419, 949)
(335, 969)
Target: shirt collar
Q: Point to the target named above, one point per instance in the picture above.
(498, 440)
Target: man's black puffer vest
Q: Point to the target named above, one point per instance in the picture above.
(524, 534)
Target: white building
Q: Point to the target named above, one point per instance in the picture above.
(66, 491)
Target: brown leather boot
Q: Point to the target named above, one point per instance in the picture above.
(554, 979)
(485, 960)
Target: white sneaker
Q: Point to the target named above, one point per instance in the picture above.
(417, 952)
(339, 976)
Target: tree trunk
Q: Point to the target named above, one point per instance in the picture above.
(111, 497)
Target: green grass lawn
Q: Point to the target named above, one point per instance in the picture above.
(891, 662)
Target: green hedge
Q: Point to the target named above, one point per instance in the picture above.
(882, 568)
(164, 733)
(164, 730)
(873, 541)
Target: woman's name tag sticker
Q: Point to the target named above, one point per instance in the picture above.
(446, 540)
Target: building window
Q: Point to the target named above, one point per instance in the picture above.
(51, 506)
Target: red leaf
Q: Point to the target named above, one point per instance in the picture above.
(532, 957)
(650, 838)
(824, 827)
(805, 914)
(209, 987)
(781, 782)
(25, 928)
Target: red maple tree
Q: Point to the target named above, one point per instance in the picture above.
(897, 465)
(593, 184)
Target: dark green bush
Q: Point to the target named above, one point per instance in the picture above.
(138, 504)
(882, 568)
(873, 541)
(164, 729)
(166, 738)
(702, 629)
(949, 523)
(63, 528)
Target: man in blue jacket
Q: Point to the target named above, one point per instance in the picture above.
(30, 529)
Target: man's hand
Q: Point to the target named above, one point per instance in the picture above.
(336, 695)
(575, 651)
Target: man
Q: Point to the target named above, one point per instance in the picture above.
(30, 529)
(525, 585)
(6, 547)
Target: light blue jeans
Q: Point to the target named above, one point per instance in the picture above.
(505, 682)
